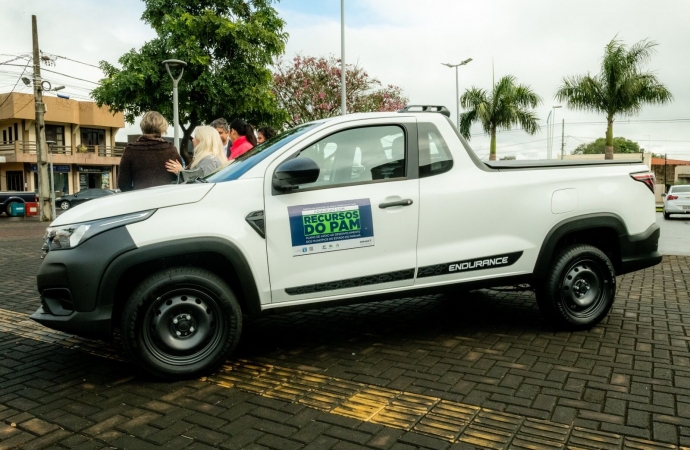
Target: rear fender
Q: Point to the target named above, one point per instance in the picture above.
(573, 225)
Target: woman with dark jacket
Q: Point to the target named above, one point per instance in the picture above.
(143, 161)
(242, 137)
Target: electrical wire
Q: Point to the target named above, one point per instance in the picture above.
(74, 60)
(15, 84)
(59, 73)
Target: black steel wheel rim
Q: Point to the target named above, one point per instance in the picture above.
(183, 326)
(584, 288)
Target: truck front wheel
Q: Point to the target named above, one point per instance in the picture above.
(579, 289)
(181, 323)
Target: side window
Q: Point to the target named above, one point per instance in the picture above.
(434, 156)
(358, 155)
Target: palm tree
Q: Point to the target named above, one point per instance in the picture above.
(621, 88)
(509, 104)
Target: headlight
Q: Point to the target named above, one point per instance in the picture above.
(69, 236)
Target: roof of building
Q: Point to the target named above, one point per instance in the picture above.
(675, 162)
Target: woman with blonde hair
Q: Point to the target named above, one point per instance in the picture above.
(142, 161)
(208, 152)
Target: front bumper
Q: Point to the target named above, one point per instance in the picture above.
(640, 251)
(93, 324)
(69, 280)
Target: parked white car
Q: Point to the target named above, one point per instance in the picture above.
(350, 209)
(677, 201)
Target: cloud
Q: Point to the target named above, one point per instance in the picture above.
(405, 42)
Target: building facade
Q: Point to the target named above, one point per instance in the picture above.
(84, 155)
(667, 171)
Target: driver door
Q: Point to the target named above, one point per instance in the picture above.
(355, 228)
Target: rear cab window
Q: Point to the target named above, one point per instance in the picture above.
(434, 155)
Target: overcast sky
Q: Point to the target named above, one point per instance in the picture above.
(404, 42)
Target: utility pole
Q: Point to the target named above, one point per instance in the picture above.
(44, 204)
(563, 140)
(665, 175)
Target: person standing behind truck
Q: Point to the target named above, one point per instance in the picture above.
(242, 137)
(221, 125)
(143, 161)
(264, 133)
(208, 153)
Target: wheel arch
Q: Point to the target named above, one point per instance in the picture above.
(601, 230)
(214, 254)
(8, 202)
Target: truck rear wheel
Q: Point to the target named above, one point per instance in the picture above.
(181, 323)
(579, 289)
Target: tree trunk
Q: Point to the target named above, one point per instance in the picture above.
(492, 151)
(608, 151)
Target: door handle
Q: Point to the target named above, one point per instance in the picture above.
(406, 202)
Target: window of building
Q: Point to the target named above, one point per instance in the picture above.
(55, 133)
(15, 180)
(4, 136)
(60, 183)
(358, 155)
(434, 156)
(92, 137)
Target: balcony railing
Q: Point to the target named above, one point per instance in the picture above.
(29, 147)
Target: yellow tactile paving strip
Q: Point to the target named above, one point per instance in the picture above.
(431, 416)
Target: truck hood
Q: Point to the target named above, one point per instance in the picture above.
(134, 201)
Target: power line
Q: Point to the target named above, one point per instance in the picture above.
(59, 73)
(15, 84)
(74, 60)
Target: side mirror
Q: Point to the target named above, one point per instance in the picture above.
(295, 172)
(664, 194)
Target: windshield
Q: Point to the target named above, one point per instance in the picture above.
(243, 163)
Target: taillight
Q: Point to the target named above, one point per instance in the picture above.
(671, 197)
(645, 177)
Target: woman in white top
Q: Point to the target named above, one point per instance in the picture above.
(208, 152)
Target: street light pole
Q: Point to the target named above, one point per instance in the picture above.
(52, 181)
(553, 125)
(173, 63)
(343, 97)
(457, 88)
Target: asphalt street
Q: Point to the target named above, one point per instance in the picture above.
(675, 234)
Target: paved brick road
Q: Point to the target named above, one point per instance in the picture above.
(419, 372)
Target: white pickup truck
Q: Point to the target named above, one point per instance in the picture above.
(350, 209)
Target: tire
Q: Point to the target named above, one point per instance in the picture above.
(666, 215)
(579, 289)
(65, 205)
(181, 323)
(7, 208)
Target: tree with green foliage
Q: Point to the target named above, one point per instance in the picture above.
(507, 105)
(620, 145)
(620, 89)
(228, 46)
(308, 88)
